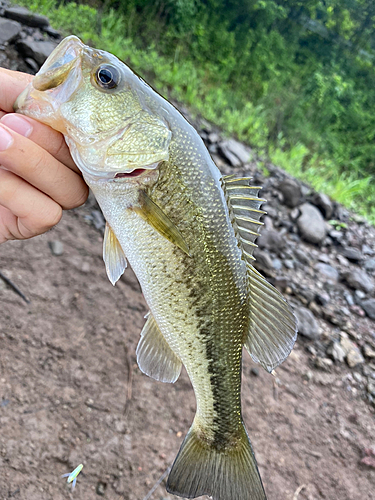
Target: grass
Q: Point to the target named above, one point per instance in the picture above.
(196, 86)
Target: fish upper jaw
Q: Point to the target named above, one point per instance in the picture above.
(54, 84)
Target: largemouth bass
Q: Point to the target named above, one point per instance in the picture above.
(189, 235)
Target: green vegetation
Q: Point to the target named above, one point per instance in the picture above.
(293, 78)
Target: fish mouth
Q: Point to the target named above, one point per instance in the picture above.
(97, 175)
(135, 173)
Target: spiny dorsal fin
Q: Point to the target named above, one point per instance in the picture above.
(154, 356)
(244, 208)
(273, 326)
(113, 255)
(273, 331)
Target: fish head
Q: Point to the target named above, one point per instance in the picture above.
(103, 109)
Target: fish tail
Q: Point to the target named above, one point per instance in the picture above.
(227, 473)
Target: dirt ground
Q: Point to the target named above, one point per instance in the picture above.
(71, 392)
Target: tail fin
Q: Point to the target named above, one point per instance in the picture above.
(226, 474)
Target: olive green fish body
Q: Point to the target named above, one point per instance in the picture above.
(188, 234)
(199, 301)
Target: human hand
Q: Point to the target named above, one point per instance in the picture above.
(38, 178)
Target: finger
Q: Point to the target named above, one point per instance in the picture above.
(34, 164)
(12, 84)
(25, 212)
(41, 134)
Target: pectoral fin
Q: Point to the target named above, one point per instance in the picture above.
(154, 356)
(155, 216)
(113, 255)
(273, 326)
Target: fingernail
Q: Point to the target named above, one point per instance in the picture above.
(18, 124)
(6, 139)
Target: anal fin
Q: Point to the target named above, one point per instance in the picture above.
(113, 255)
(154, 356)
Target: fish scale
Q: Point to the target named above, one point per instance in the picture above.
(189, 235)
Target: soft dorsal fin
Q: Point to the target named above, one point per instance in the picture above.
(273, 326)
(272, 331)
(154, 356)
(113, 255)
(154, 215)
(244, 208)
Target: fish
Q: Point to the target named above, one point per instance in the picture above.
(189, 234)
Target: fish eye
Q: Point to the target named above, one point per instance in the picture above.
(107, 77)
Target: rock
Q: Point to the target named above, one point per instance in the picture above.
(56, 247)
(306, 295)
(359, 295)
(277, 264)
(289, 263)
(359, 280)
(349, 298)
(100, 488)
(357, 310)
(302, 256)
(336, 351)
(307, 324)
(366, 250)
(323, 257)
(336, 235)
(37, 50)
(352, 254)
(358, 377)
(26, 17)
(311, 224)
(324, 203)
(98, 220)
(263, 260)
(369, 458)
(308, 375)
(354, 358)
(328, 272)
(371, 388)
(368, 351)
(324, 364)
(9, 30)
(291, 191)
(281, 283)
(322, 298)
(213, 138)
(294, 214)
(369, 307)
(369, 265)
(236, 153)
(33, 65)
(343, 261)
(52, 32)
(353, 354)
(271, 240)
